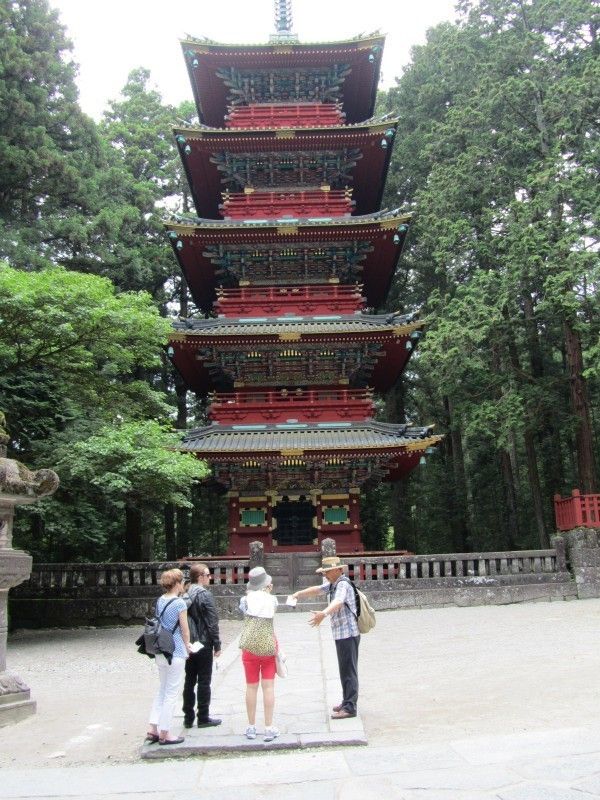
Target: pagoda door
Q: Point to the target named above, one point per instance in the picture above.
(294, 522)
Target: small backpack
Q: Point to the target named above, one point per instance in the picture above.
(365, 616)
(156, 638)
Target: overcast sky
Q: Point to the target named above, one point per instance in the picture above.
(112, 37)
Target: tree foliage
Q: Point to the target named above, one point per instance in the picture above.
(138, 461)
(144, 177)
(136, 466)
(497, 153)
(69, 342)
(70, 348)
(49, 149)
(82, 355)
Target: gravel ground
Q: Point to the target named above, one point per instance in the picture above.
(93, 692)
(427, 676)
(437, 675)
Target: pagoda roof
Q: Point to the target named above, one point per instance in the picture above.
(216, 159)
(299, 325)
(310, 454)
(356, 349)
(358, 90)
(319, 437)
(386, 219)
(196, 241)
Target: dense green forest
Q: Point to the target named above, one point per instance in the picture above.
(497, 156)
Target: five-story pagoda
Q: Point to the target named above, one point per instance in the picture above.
(287, 170)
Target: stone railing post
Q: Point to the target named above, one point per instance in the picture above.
(558, 543)
(328, 548)
(18, 486)
(257, 555)
(583, 550)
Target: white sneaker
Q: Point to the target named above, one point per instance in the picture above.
(270, 734)
(251, 732)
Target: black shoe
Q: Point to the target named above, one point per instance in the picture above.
(209, 723)
(188, 723)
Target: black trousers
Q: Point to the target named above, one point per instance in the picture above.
(198, 671)
(347, 656)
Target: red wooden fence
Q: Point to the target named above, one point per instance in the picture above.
(577, 511)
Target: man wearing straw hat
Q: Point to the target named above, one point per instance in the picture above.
(342, 610)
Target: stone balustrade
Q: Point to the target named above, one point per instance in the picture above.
(116, 593)
(124, 579)
(457, 565)
(463, 578)
(67, 595)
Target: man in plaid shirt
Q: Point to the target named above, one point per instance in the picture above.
(342, 610)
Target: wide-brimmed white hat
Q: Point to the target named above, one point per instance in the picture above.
(258, 578)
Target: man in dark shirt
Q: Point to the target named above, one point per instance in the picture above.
(204, 628)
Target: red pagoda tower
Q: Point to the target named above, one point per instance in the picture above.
(288, 251)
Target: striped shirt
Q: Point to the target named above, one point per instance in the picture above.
(343, 621)
(169, 620)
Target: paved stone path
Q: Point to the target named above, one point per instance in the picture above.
(481, 703)
(562, 764)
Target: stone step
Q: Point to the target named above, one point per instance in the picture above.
(17, 696)
(16, 707)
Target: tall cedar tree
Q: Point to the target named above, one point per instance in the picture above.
(49, 150)
(497, 152)
(90, 198)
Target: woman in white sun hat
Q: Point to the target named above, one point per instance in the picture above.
(259, 648)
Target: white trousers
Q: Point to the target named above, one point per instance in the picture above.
(169, 690)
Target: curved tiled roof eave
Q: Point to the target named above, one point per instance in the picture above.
(187, 225)
(399, 324)
(210, 44)
(373, 125)
(269, 438)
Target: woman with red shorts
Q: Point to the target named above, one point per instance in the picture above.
(259, 646)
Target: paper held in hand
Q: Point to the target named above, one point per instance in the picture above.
(291, 601)
(195, 647)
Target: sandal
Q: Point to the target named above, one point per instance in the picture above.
(151, 738)
(171, 741)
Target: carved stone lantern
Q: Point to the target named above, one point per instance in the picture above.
(18, 486)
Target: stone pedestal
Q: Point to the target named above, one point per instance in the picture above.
(15, 567)
(18, 486)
